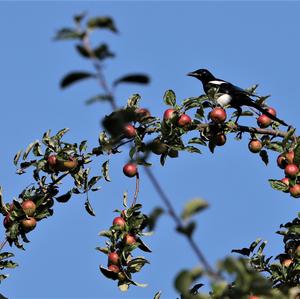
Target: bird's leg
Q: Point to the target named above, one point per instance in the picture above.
(239, 112)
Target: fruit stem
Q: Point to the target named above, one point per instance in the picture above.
(179, 223)
(137, 189)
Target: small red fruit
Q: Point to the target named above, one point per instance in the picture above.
(66, 165)
(129, 131)
(52, 160)
(114, 268)
(142, 113)
(158, 147)
(184, 120)
(6, 221)
(253, 297)
(119, 221)
(271, 111)
(169, 114)
(29, 207)
(295, 190)
(218, 115)
(264, 121)
(291, 170)
(129, 239)
(287, 262)
(28, 224)
(130, 169)
(113, 258)
(255, 146)
(281, 161)
(220, 139)
(286, 181)
(290, 157)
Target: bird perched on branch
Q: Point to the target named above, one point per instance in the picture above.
(230, 95)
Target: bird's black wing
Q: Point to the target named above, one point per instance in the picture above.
(228, 88)
(221, 85)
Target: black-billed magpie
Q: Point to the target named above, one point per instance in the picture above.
(230, 94)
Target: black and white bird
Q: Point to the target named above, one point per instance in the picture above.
(230, 95)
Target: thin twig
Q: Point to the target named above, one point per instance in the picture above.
(234, 129)
(98, 68)
(179, 223)
(3, 244)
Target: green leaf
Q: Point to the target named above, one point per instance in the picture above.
(105, 250)
(153, 217)
(105, 233)
(142, 246)
(73, 77)
(61, 133)
(243, 251)
(65, 197)
(3, 276)
(5, 255)
(141, 285)
(93, 181)
(297, 154)
(264, 156)
(157, 295)
(105, 171)
(136, 264)
(192, 207)
(83, 146)
(197, 140)
(78, 18)
(109, 274)
(89, 208)
(288, 136)
(185, 278)
(125, 198)
(82, 51)
(192, 149)
(244, 113)
(254, 244)
(8, 264)
(188, 229)
(102, 52)
(99, 98)
(37, 151)
(170, 98)
(252, 89)
(278, 185)
(133, 100)
(67, 33)
(134, 78)
(17, 157)
(28, 149)
(102, 23)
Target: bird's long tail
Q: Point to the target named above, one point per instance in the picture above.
(250, 103)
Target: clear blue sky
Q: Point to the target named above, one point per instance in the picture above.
(245, 43)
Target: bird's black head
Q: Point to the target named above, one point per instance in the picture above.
(203, 75)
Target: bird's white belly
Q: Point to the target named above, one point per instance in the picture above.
(224, 100)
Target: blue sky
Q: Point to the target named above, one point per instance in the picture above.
(244, 43)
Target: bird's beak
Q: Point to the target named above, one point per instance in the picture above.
(192, 74)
